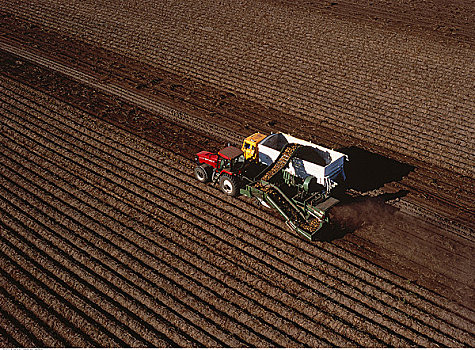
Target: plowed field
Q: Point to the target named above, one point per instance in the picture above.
(382, 87)
(99, 236)
(106, 238)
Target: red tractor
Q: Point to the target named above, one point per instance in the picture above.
(281, 172)
(226, 167)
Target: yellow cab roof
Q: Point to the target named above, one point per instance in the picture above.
(256, 137)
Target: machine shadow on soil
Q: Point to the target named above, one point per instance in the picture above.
(365, 171)
(368, 171)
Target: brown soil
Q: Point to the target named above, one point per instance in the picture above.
(107, 240)
(442, 189)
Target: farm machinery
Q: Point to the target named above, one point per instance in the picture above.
(291, 175)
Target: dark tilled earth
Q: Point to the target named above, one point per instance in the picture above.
(107, 240)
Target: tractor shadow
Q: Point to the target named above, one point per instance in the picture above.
(365, 171)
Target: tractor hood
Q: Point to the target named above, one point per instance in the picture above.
(209, 157)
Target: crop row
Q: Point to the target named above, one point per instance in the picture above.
(75, 127)
(143, 200)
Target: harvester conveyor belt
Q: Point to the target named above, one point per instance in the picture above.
(279, 200)
(281, 161)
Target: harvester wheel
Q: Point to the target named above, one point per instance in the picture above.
(229, 185)
(203, 173)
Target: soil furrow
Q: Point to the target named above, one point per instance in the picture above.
(333, 88)
(273, 316)
(72, 310)
(65, 285)
(300, 59)
(56, 325)
(181, 262)
(122, 287)
(150, 285)
(7, 333)
(34, 325)
(162, 268)
(16, 331)
(23, 323)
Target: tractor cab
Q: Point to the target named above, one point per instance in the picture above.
(250, 146)
(230, 159)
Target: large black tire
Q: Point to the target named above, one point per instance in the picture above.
(229, 185)
(203, 173)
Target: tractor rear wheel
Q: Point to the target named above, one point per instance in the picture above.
(229, 185)
(203, 173)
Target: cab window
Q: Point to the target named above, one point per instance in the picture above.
(238, 162)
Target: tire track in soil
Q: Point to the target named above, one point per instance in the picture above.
(449, 191)
(269, 68)
(90, 68)
(458, 195)
(432, 218)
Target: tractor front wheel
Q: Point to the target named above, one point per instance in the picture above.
(203, 173)
(229, 185)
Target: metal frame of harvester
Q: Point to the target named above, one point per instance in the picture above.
(274, 170)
